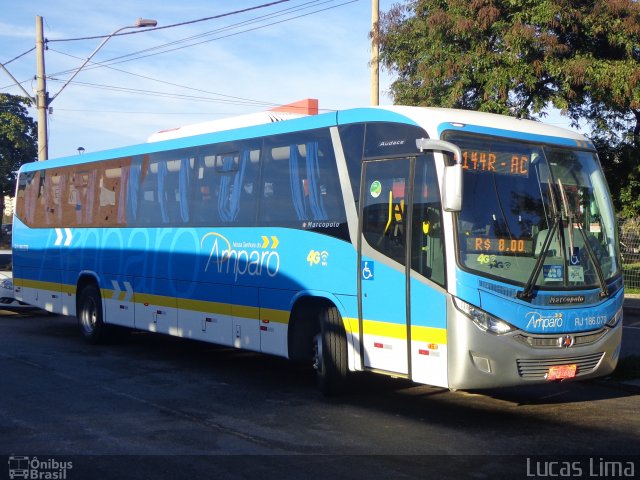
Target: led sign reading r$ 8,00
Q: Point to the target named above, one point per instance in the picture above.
(500, 245)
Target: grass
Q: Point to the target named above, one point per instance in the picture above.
(631, 274)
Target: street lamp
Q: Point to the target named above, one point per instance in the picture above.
(140, 23)
(43, 101)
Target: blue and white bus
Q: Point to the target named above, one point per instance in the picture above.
(454, 248)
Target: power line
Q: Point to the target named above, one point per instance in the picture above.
(175, 24)
(232, 99)
(304, 6)
(172, 84)
(146, 92)
(19, 56)
(228, 99)
(142, 113)
(235, 12)
(280, 13)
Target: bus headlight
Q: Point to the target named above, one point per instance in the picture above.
(615, 319)
(482, 319)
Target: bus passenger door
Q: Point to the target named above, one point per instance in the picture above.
(383, 251)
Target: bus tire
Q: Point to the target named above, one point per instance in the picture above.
(90, 321)
(330, 353)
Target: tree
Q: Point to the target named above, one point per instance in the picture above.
(18, 140)
(620, 163)
(521, 57)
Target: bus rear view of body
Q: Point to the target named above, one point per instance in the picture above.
(453, 248)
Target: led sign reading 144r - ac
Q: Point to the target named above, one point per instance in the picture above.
(504, 163)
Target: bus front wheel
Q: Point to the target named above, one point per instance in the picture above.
(330, 353)
(92, 326)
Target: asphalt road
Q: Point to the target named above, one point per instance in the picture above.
(164, 408)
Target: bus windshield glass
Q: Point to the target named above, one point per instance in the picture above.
(535, 215)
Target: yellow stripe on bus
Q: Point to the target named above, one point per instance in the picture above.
(351, 325)
(277, 316)
(396, 330)
(204, 306)
(37, 284)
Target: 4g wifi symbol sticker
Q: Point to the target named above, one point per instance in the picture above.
(316, 257)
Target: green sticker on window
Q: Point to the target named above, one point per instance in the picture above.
(375, 189)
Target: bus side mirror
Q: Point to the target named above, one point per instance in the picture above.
(452, 188)
(452, 184)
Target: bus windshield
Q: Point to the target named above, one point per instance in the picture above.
(535, 215)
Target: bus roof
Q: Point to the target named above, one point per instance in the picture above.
(433, 120)
(211, 126)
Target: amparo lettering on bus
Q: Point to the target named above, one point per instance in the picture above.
(227, 258)
(539, 321)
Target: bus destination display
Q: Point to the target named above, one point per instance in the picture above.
(503, 163)
(499, 245)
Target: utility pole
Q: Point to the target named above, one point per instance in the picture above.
(42, 97)
(375, 64)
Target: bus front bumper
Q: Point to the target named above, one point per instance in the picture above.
(479, 359)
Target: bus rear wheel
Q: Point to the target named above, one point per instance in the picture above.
(89, 314)
(330, 353)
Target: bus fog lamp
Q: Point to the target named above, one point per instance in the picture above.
(481, 363)
(482, 319)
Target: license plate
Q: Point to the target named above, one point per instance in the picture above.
(560, 372)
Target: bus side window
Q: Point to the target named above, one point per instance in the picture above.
(205, 192)
(427, 249)
(108, 188)
(225, 184)
(248, 200)
(276, 205)
(148, 204)
(51, 197)
(163, 196)
(300, 181)
(231, 169)
(173, 195)
(27, 197)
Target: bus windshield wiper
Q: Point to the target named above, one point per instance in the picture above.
(527, 292)
(604, 291)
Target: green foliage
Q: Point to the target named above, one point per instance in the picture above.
(622, 169)
(521, 57)
(516, 56)
(632, 276)
(18, 139)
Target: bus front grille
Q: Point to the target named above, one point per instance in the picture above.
(536, 369)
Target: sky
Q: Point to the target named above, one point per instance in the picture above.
(237, 64)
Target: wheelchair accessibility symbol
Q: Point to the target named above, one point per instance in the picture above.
(575, 258)
(366, 267)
